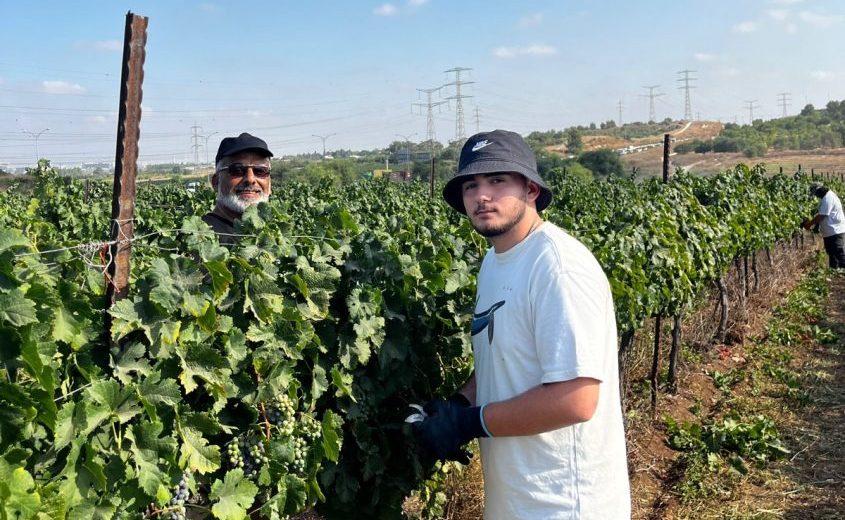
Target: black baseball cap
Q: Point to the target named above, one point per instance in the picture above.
(242, 143)
(495, 152)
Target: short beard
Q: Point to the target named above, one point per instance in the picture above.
(232, 202)
(495, 231)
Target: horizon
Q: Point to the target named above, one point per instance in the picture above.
(349, 72)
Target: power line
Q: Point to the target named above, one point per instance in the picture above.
(651, 95)
(323, 137)
(619, 106)
(430, 107)
(750, 106)
(458, 97)
(785, 100)
(686, 88)
(195, 142)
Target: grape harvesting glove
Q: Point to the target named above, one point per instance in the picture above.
(449, 425)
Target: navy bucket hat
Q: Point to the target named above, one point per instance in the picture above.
(498, 151)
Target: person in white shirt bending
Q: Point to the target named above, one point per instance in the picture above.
(831, 224)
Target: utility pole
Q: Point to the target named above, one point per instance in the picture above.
(323, 137)
(477, 121)
(36, 135)
(458, 97)
(686, 88)
(407, 139)
(750, 106)
(784, 101)
(651, 95)
(207, 137)
(430, 106)
(619, 106)
(195, 140)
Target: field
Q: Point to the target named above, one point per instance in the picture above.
(270, 377)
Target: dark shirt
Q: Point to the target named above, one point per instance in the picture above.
(224, 227)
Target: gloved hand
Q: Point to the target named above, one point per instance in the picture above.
(449, 425)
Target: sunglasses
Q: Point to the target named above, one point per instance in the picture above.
(239, 170)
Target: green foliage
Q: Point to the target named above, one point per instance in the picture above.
(602, 162)
(732, 438)
(347, 301)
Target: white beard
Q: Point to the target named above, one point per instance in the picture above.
(232, 202)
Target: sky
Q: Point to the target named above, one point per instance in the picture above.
(348, 72)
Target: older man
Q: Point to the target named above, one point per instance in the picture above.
(241, 179)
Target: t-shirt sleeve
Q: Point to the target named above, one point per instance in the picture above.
(570, 309)
(825, 206)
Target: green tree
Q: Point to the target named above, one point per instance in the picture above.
(574, 142)
(603, 162)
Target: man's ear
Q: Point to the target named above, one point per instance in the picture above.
(215, 180)
(533, 190)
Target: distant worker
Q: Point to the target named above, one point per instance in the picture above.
(241, 178)
(544, 396)
(831, 224)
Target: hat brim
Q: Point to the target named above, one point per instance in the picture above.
(454, 197)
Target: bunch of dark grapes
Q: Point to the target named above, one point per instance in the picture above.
(300, 450)
(281, 413)
(175, 509)
(247, 454)
(180, 496)
(309, 426)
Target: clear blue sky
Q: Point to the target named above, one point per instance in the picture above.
(288, 70)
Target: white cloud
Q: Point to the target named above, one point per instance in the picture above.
(705, 57)
(821, 75)
(209, 8)
(791, 28)
(61, 87)
(531, 50)
(417, 3)
(97, 119)
(730, 71)
(778, 14)
(787, 2)
(99, 46)
(745, 27)
(385, 10)
(820, 20)
(532, 20)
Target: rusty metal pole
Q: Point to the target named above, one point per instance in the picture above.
(666, 138)
(126, 156)
(431, 179)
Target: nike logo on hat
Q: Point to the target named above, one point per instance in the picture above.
(481, 144)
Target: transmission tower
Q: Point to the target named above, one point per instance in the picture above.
(477, 121)
(619, 106)
(195, 140)
(651, 95)
(430, 107)
(458, 97)
(686, 88)
(323, 137)
(784, 101)
(750, 106)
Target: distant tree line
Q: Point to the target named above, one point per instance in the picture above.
(810, 130)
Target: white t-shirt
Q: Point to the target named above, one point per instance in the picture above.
(544, 313)
(834, 222)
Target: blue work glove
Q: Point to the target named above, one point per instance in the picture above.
(449, 425)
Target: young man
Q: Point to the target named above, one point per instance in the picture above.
(544, 396)
(831, 222)
(241, 179)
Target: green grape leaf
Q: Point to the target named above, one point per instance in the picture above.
(332, 436)
(18, 496)
(234, 495)
(197, 454)
(16, 309)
